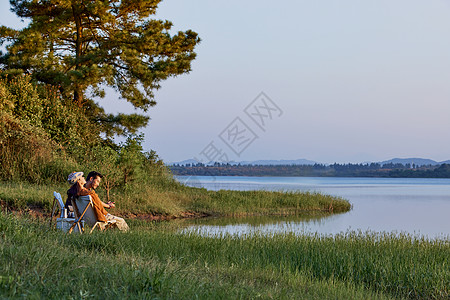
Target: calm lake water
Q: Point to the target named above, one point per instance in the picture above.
(419, 206)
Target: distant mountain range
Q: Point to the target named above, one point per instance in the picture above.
(416, 161)
(279, 162)
(255, 162)
(403, 161)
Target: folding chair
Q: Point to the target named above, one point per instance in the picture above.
(63, 222)
(85, 204)
(57, 200)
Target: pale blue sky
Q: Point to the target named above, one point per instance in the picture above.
(355, 80)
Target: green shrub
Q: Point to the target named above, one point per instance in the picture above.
(26, 103)
(23, 149)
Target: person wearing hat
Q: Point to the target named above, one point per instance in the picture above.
(93, 181)
(77, 189)
(81, 187)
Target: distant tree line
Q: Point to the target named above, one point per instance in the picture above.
(317, 170)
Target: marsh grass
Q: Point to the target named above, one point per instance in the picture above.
(154, 261)
(172, 198)
(20, 195)
(37, 263)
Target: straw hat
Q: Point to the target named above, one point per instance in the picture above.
(74, 176)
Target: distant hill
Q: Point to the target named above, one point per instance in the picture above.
(403, 161)
(254, 163)
(390, 170)
(416, 161)
(279, 162)
(183, 162)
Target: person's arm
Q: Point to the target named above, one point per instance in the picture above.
(108, 205)
(99, 202)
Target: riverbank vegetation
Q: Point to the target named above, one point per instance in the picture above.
(170, 199)
(388, 170)
(154, 261)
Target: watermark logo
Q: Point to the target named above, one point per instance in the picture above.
(262, 110)
(240, 133)
(238, 136)
(212, 153)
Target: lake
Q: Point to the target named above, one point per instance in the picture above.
(418, 206)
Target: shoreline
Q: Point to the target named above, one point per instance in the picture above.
(41, 214)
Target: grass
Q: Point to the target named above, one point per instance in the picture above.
(173, 199)
(155, 262)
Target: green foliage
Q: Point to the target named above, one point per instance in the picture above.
(41, 137)
(87, 45)
(121, 124)
(6, 99)
(27, 105)
(44, 138)
(105, 159)
(42, 106)
(23, 148)
(131, 159)
(28, 154)
(66, 124)
(126, 165)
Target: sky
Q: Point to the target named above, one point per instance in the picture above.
(327, 80)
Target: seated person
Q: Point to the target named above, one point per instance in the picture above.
(77, 189)
(93, 181)
(81, 187)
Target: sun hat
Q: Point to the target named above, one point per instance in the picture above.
(74, 176)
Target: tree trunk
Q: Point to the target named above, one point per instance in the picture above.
(107, 193)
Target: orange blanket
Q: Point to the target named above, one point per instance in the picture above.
(99, 210)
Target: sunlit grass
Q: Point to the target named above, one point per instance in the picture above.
(174, 199)
(153, 261)
(20, 195)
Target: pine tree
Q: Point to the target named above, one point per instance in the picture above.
(81, 46)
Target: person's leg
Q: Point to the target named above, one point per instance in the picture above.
(120, 222)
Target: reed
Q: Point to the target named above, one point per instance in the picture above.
(154, 260)
(396, 264)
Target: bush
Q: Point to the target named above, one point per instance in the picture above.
(44, 137)
(36, 132)
(28, 154)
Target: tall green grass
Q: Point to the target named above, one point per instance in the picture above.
(23, 195)
(153, 261)
(399, 265)
(37, 263)
(174, 199)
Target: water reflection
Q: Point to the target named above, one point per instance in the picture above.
(418, 206)
(266, 225)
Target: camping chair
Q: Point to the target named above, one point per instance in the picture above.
(85, 205)
(57, 200)
(63, 222)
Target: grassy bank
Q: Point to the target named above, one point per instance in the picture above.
(170, 198)
(155, 262)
